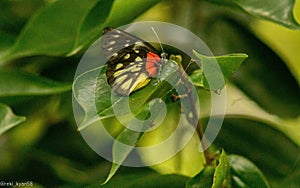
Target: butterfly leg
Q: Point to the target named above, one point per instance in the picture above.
(175, 97)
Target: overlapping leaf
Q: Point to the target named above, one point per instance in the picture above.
(278, 11)
(81, 24)
(18, 83)
(264, 77)
(215, 70)
(8, 119)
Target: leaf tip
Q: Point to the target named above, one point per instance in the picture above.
(110, 175)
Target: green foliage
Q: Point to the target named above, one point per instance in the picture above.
(18, 83)
(246, 174)
(226, 64)
(259, 133)
(8, 119)
(229, 171)
(236, 136)
(269, 75)
(266, 10)
(147, 180)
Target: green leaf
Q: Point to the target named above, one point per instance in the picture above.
(278, 11)
(197, 78)
(112, 14)
(7, 40)
(188, 161)
(145, 180)
(231, 171)
(65, 27)
(264, 77)
(203, 179)
(293, 180)
(222, 172)
(120, 151)
(245, 173)
(53, 30)
(213, 176)
(13, 17)
(17, 83)
(90, 29)
(271, 150)
(120, 8)
(8, 119)
(228, 64)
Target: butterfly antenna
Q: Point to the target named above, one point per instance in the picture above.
(189, 64)
(162, 49)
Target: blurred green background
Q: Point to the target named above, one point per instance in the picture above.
(40, 48)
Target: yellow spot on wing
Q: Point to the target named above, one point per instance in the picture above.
(117, 73)
(119, 65)
(127, 56)
(138, 59)
(142, 80)
(130, 78)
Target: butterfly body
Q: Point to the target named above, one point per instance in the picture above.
(132, 62)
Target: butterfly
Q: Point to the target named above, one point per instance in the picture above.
(132, 62)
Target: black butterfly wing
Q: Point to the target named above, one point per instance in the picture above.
(117, 43)
(127, 56)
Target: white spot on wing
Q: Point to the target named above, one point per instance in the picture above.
(133, 68)
(139, 43)
(136, 69)
(127, 84)
(190, 115)
(120, 78)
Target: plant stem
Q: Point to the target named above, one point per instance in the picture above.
(207, 153)
(185, 81)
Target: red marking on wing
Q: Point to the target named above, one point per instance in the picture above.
(152, 60)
